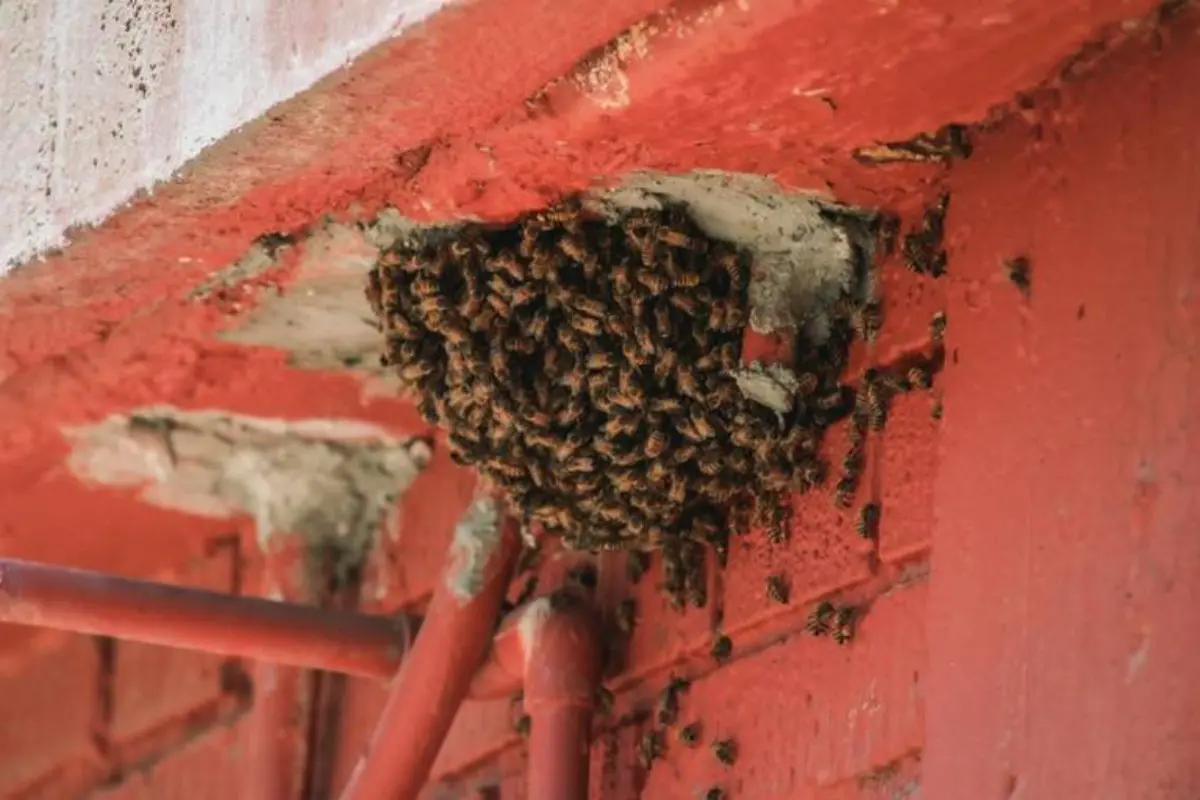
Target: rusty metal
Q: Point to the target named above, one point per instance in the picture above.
(436, 674)
(245, 627)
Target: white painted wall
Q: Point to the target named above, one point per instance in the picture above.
(101, 98)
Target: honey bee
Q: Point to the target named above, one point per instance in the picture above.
(777, 589)
(710, 464)
(937, 326)
(679, 239)
(843, 625)
(650, 747)
(868, 521)
(807, 383)
(844, 492)
(523, 725)
(936, 411)
(1020, 273)
(919, 377)
(667, 709)
(686, 280)
(725, 751)
(731, 263)
(868, 320)
(645, 341)
(605, 700)
(654, 282)
(655, 444)
(820, 619)
(411, 373)
(714, 793)
(508, 264)
(690, 734)
(499, 305)
(701, 422)
(624, 481)
(722, 648)
(586, 325)
(592, 307)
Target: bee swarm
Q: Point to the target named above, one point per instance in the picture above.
(587, 366)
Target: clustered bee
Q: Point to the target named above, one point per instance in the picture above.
(922, 249)
(584, 365)
(843, 625)
(636, 564)
(821, 618)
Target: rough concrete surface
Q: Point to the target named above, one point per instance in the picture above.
(804, 257)
(333, 481)
(101, 99)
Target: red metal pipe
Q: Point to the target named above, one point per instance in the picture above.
(436, 674)
(553, 648)
(245, 627)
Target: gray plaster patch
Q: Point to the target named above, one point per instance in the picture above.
(322, 319)
(475, 539)
(773, 386)
(334, 482)
(807, 250)
(257, 260)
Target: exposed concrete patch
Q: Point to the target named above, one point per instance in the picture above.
(334, 482)
(807, 250)
(322, 319)
(774, 386)
(258, 259)
(475, 540)
(533, 619)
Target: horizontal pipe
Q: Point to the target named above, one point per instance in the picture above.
(194, 619)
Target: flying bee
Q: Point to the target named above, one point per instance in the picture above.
(777, 589)
(820, 619)
(725, 751)
(937, 326)
(868, 521)
(690, 734)
(919, 377)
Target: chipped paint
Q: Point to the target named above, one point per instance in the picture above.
(334, 482)
(476, 537)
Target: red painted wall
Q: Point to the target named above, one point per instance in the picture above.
(1030, 598)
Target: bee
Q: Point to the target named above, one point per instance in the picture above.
(667, 709)
(626, 614)
(666, 405)
(731, 263)
(937, 326)
(855, 458)
(677, 491)
(662, 320)
(844, 492)
(505, 262)
(820, 620)
(605, 700)
(807, 383)
(843, 625)
(777, 589)
(645, 340)
(830, 400)
(874, 405)
(425, 286)
(411, 373)
(868, 521)
(714, 793)
(523, 295)
(592, 307)
(937, 411)
(574, 249)
(654, 282)
(685, 280)
(710, 464)
(722, 648)
(625, 481)
(655, 444)
(586, 325)
(523, 725)
(680, 239)
(650, 747)
(1020, 273)
(868, 320)
(701, 423)
(690, 734)
(600, 361)
(623, 424)
(687, 383)
(919, 377)
(725, 751)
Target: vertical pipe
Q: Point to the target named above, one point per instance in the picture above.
(559, 739)
(435, 676)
